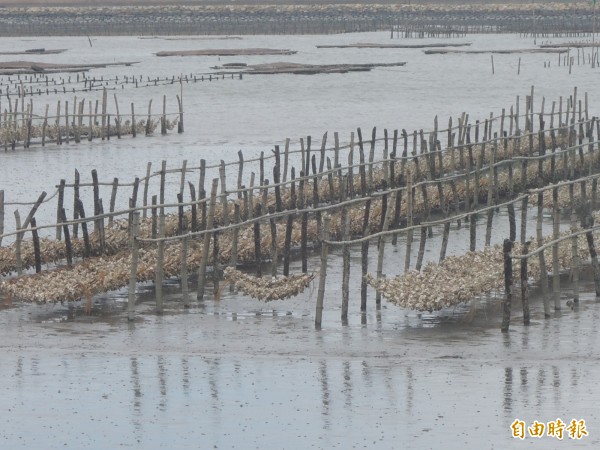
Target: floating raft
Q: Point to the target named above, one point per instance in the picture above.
(229, 52)
(36, 51)
(571, 45)
(369, 45)
(305, 69)
(32, 67)
(443, 51)
(194, 38)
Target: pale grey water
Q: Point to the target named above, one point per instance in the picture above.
(237, 373)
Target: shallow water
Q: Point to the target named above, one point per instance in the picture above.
(236, 373)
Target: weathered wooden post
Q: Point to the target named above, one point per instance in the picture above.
(384, 228)
(322, 271)
(365, 257)
(234, 240)
(184, 271)
(206, 241)
(409, 221)
(541, 256)
(555, 255)
(508, 284)
(257, 240)
(524, 284)
(180, 123)
(1, 214)
(68, 243)
(133, 245)
(76, 202)
(159, 272)
(36, 246)
(113, 199)
(574, 247)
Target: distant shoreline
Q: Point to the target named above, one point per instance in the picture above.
(232, 18)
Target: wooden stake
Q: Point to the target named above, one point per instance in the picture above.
(524, 284)
(1, 215)
(409, 221)
(322, 272)
(75, 202)
(133, 245)
(257, 249)
(113, 199)
(234, 241)
(508, 284)
(36, 246)
(365, 257)
(381, 247)
(345, 232)
(206, 243)
(541, 256)
(68, 244)
(555, 261)
(59, 207)
(184, 272)
(19, 239)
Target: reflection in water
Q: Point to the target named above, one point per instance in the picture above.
(19, 371)
(409, 390)
(137, 395)
(541, 397)
(523, 389)
(324, 394)
(347, 385)
(213, 380)
(556, 384)
(35, 364)
(541, 382)
(508, 390)
(185, 376)
(162, 381)
(366, 373)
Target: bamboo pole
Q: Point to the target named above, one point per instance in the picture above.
(146, 186)
(409, 221)
(322, 272)
(68, 244)
(524, 284)
(36, 246)
(206, 242)
(574, 249)
(542, 259)
(133, 245)
(234, 241)
(1, 215)
(59, 207)
(19, 239)
(381, 246)
(345, 230)
(508, 284)
(159, 271)
(257, 240)
(555, 261)
(184, 272)
(365, 257)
